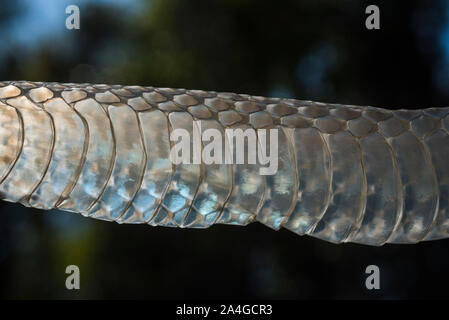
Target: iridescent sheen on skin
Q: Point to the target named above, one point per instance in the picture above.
(345, 173)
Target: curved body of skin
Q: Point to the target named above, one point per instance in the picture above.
(343, 173)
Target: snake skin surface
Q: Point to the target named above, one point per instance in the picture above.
(345, 173)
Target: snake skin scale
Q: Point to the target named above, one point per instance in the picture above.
(345, 173)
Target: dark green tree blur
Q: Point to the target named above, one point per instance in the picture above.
(317, 50)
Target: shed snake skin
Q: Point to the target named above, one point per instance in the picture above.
(345, 173)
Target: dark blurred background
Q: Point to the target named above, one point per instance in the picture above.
(318, 50)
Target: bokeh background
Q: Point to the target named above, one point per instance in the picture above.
(318, 50)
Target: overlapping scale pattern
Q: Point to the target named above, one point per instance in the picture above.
(249, 186)
(66, 157)
(126, 175)
(186, 178)
(384, 193)
(217, 181)
(348, 190)
(280, 193)
(343, 173)
(32, 163)
(98, 160)
(10, 139)
(158, 170)
(313, 171)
